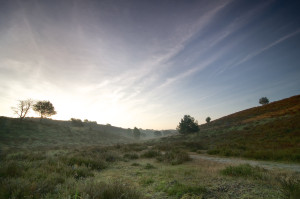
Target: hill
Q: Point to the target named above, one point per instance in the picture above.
(268, 132)
(32, 133)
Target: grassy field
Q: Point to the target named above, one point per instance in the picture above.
(52, 159)
(134, 171)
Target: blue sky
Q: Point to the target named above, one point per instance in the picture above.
(148, 63)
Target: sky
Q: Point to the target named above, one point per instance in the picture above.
(148, 63)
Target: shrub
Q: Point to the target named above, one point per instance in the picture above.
(174, 157)
(213, 151)
(290, 188)
(96, 164)
(146, 181)
(243, 170)
(177, 189)
(131, 156)
(135, 164)
(82, 172)
(115, 190)
(151, 154)
(149, 166)
(11, 169)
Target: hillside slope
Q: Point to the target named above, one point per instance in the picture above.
(32, 133)
(269, 132)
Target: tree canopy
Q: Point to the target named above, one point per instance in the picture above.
(136, 133)
(44, 108)
(264, 101)
(188, 125)
(208, 119)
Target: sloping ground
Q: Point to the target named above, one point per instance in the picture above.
(47, 133)
(274, 110)
(269, 132)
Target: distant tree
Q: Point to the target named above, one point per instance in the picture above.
(22, 108)
(264, 101)
(157, 133)
(208, 119)
(188, 125)
(136, 133)
(44, 108)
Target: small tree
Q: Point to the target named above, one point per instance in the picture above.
(208, 119)
(136, 133)
(157, 133)
(188, 125)
(44, 108)
(264, 101)
(22, 108)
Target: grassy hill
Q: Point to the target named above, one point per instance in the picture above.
(269, 132)
(33, 133)
(60, 159)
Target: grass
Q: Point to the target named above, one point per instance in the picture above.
(177, 189)
(70, 173)
(290, 188)
(45, 161)
(174, 157)
(243, 170)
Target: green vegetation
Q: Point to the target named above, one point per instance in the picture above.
(269, 132)
(264, 101)
(243, 170)
(188, 125)
(136, 133)
(44, 108)
(290, 188)
(207, 119)
(62, 159)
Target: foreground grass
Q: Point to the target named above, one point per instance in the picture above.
(124, 171)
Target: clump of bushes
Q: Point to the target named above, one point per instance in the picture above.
(131, 156)
(149, 166)
(290, 188)
(177, 189)
(89, 162)
(243, 170)
(174, 157)
(114, 190)
(151, 154)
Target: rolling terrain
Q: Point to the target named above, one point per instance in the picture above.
(268, 132)
(57, 159)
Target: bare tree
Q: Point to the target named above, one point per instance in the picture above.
(22, 108)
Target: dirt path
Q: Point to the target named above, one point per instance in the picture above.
(264, 164)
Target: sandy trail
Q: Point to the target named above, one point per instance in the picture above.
(264, 164)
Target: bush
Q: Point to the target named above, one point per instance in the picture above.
(174, 157)
(149, 166)
(290, 188)
(96, 164)
(11, 169)
(82, 172)
(151, 154)
(177, 189)
(131, 156)
(115, 190)
(243, 170)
